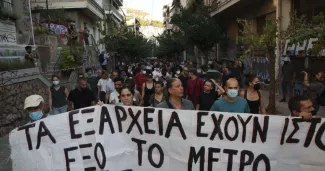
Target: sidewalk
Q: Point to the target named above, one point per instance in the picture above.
(282, 107)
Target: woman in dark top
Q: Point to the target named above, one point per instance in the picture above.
(57, 97)
(253, 95)
(210, 94)
(148, 88)
(158, 96)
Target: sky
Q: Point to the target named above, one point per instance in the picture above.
(154, 7)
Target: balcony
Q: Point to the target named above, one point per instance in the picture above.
(119, 2)
(6, 10)
(111, 9)
(220, 5)
(91, 7)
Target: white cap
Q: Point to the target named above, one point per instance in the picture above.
(33, 101)
(286, 59)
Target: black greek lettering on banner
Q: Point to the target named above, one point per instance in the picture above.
(67, 159)
(139, 144)
(200, 124)
(244, 124)
(43, 131)
(258, 129)
(234, 120)
(105, 117)
(134, 121)
(120, 118)
(231, 154)
(26, 128)
(101, 164)
(311, 131)
(175, 122)
(161, 154)
(216, 129)
(147, 120)
(72, 123)
(195, 157)
(211, 159)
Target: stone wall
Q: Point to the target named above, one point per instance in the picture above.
(12, 99)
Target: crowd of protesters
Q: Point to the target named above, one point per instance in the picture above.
(172, 85)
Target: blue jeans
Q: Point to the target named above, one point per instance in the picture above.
(59, 110)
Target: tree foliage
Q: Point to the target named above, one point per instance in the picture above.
(253, 41)
(300, 30)
(153, 23)
(119, 39)
(266, 41)
(170, 44)
(198, 26)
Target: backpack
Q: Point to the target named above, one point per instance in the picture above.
(101, 58)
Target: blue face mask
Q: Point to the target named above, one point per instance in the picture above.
(36, 115)
(232, 93)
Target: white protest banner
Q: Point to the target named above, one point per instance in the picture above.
(118, 138)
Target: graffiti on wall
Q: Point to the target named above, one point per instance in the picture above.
(7, 38)
(56, 28)
(300, 49)
(260, 67)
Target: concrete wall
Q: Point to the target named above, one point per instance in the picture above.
(12, 100)
(285, 13)
(46, 51)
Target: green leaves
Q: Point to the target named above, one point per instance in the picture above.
(254, 41)
(300, 30)
(123, 41)
(169, 44)
(198, 26)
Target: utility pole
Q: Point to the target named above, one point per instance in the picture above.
(48, 14)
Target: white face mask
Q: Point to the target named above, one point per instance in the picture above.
(144, 72)
(178, 72)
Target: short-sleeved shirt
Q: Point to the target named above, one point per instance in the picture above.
(287, 72)
(153, 102)
(206, 100)
(186, 105)
(106, 85)
(315, 90)
(139, 80)
(80, 98)
(193, 89)
(238, 106)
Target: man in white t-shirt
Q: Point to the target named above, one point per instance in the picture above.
(105, 87)
(115, 95)
(156, 74)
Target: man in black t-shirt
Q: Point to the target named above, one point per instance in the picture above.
(81, 97)
(206, 99)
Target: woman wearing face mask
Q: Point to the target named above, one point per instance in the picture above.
(253, 95)
(126, 95)
(34, 105)
(58, 94)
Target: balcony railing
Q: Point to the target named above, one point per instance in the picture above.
(112, 10)
(119, 2)
(6, 8)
